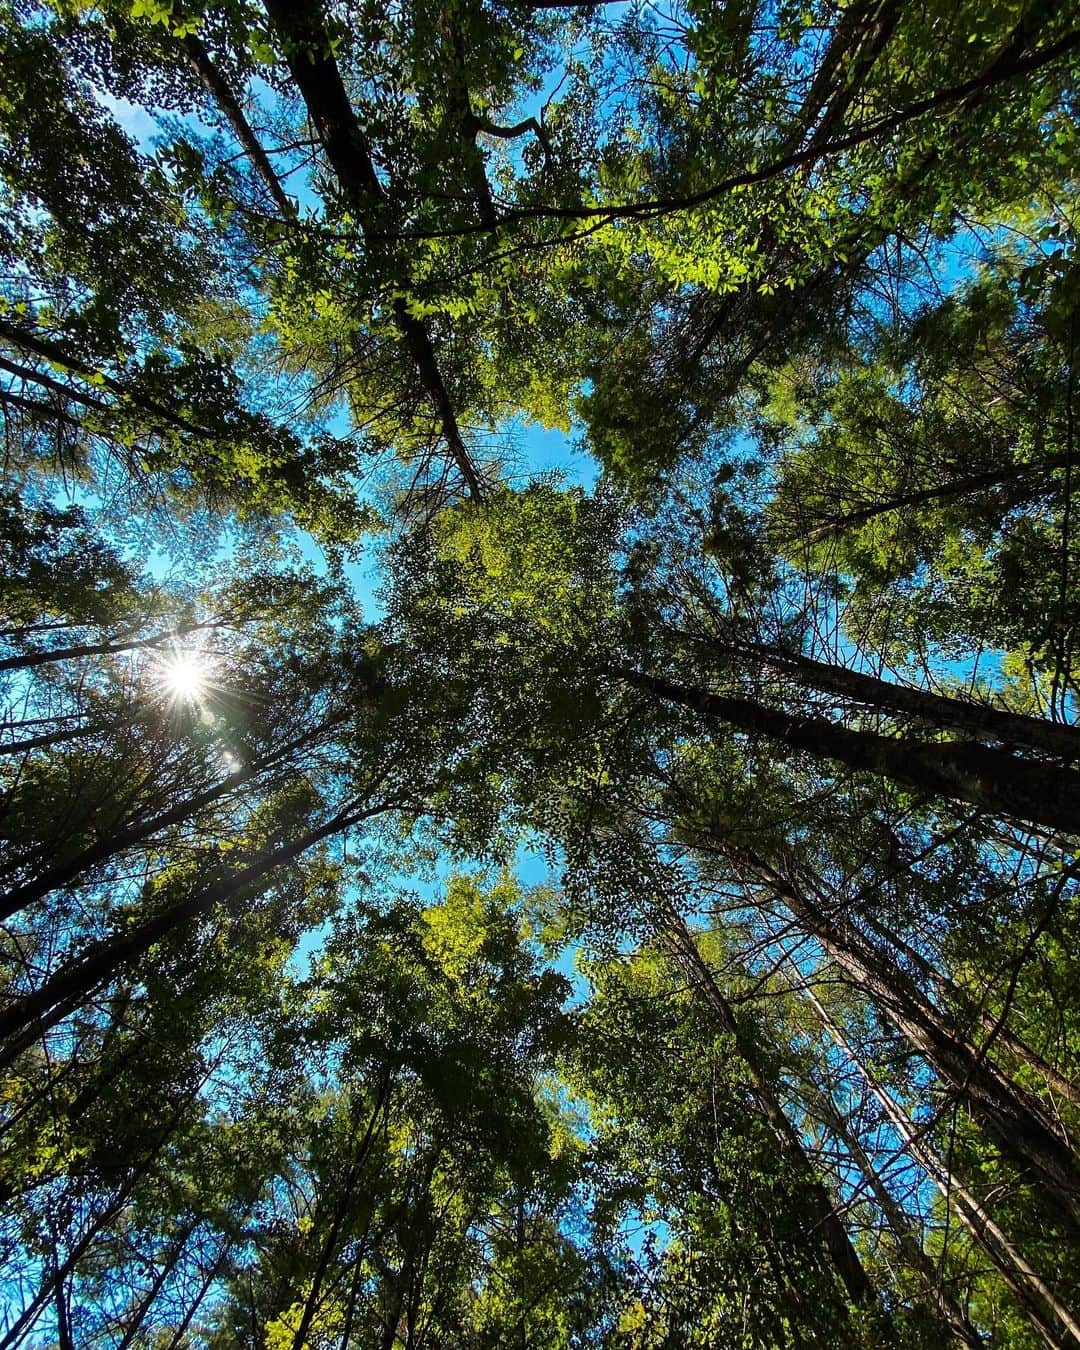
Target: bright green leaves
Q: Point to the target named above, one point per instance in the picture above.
(541, 557)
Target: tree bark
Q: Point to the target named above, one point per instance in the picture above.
(356, 1162)
(953, 1317)
(991, 779)
(302, 29)
(201, 62)
(959, 487)
(20, 897)
(30, 660)
(1016, 1124)
(940, 710)
(29, 1017)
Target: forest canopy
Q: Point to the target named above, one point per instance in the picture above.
(539, 674)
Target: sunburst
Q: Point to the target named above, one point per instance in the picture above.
(184, 677)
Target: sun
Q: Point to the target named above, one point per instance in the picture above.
(184, 677)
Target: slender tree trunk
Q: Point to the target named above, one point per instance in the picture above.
(200, 61)
(460, 113)
(30, 660)
(1052, 1320)
(959, 1002)
(63, 1315)
(134, 1324)
(181, 1331)
(519, 1243)
(344, 1199)
(61, 1271)
(20, 897)
(49, 739)
(354, 1286)
(844, 1258)
(301, 26)
(29, 375)
(32, 340)
(967, 486)
(867, 38)
(953, 1317)
(27, 1018)
(991, 779)
(1015, 1123)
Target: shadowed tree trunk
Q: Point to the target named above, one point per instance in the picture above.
(992, 779)
(1015, 1123)
(1054, 1323)
(27, 1018)
(845, 1260)
(939, 710)
(954, 1320)
(301, 26)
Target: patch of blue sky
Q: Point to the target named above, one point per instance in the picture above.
(545, 451)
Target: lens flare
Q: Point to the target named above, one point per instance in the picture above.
(184, 677)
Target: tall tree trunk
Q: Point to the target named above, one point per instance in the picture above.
(30, 660)
(33, 340)
(133, 1324)
(939, 710)
(201, 62)
(61, 1270)
(29, 1017)
(301, 26)
(844, 1258)
(967, 486)
(954, 1320)
(344, 1198)
(211, 1275)
(988, 778)
(1015, 1123)
(1052, 1320)
(959, 1003)
(48, 739)
(110, 845)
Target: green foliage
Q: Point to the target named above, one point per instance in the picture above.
(784, 1051)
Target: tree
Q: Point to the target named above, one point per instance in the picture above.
(292, 640)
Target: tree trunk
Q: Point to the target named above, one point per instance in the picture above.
(29, 660)
(49, 739)
(61, 1271)
(844, 1258)
(939, 710)
(1015, 1123)
(959, 1002)
(32, 340)
(991, 779)
(113, 844)
(356, 1162)
(204, 1289)
(202, 64)
(953, 1317)
(1054, 1323)
(958, 487)
(315, 73)
(29, 1017)
(134, 1324)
